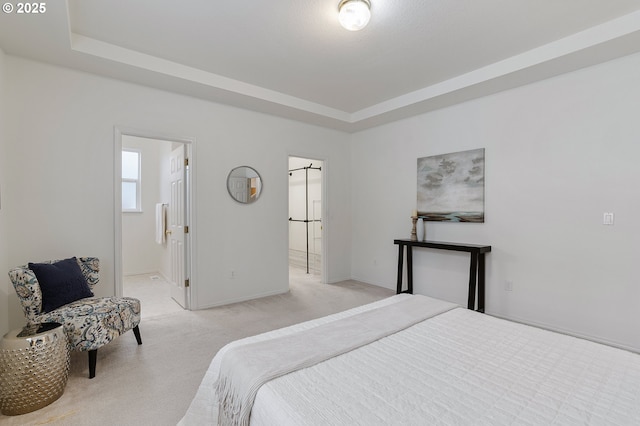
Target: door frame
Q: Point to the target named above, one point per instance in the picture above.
(190, 246)
(324, 270)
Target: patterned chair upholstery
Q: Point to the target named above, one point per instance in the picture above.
(89, 323)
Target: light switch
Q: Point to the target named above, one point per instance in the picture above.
(607, 219)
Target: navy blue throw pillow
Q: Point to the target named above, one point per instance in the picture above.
(61, 282)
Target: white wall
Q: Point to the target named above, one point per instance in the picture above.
(140, 253)
(559, 153)
(165, 197)
(6, 288)
(63, 197)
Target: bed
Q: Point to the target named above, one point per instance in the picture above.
(453, 367)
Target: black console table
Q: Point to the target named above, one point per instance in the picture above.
(476, 268)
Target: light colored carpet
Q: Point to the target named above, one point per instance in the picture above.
(154, 293)
(153, 384)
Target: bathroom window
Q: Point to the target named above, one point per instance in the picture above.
(131, 161)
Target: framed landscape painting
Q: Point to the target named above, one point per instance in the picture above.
(451, 187)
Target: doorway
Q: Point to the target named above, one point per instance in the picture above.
(305, 218)
(153, 244)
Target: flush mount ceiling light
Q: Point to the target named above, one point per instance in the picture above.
(354, 14)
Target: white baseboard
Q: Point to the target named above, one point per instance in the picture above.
(568, 332)
(242, 299)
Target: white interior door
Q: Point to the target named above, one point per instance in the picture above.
(177, 227)
(240, 188)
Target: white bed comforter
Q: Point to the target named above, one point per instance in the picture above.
(244, 369)
(458, 368)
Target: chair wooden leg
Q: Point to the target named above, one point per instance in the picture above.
(93, 355)
(136, 331)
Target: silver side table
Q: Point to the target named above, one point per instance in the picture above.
(34, 368)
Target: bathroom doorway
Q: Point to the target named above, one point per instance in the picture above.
(152, 241)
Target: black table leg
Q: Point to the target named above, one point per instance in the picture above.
(400, 265)
(481, 283)
(473, 272)
(409, 269)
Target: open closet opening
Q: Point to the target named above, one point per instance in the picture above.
(305, 217)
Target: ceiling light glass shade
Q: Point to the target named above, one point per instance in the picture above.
(354, 14)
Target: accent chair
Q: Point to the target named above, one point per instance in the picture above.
(66, 296)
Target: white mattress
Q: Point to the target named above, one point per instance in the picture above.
(458, 368)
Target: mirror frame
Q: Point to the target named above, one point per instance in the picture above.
(260, 186)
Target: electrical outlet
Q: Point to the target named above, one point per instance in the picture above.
(607, 218)
(508, 285)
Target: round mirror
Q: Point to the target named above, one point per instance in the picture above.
(244, 184)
